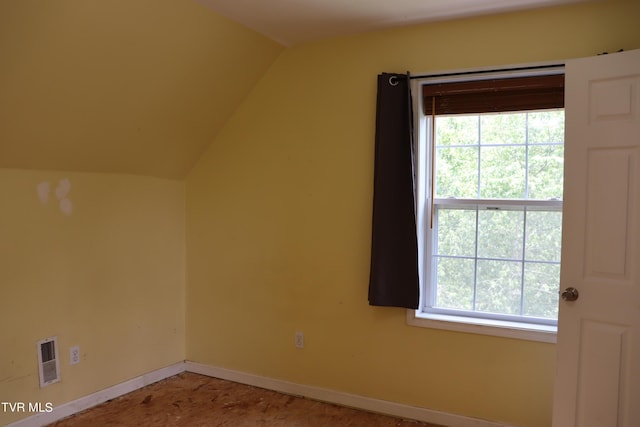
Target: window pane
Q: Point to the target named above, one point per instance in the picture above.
(498, 289)
(541, 287)
(546, 127)
(489, 256)
(457, 172)
(456, 231)
(500, 234)
(502, 172)
(505, 128)
(454, 277)
(457, 130)
(546, 171)
(543, 236)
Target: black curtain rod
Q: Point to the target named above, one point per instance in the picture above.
(471, 73)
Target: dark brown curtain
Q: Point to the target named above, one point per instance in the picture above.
(393, 279)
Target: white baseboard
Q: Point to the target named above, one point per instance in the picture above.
(344, 399)
(311, 392)
(94, 399)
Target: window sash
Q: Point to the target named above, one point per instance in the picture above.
(517, 204)
(430, 286)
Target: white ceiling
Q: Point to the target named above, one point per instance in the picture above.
(292, 22)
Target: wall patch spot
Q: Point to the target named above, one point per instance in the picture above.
(64, 186)
(61, 191)
(66, 206)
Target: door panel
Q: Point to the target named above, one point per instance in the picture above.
(611, 178)
(598, 377)
(601, 373)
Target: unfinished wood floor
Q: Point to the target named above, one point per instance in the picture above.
(196, 400)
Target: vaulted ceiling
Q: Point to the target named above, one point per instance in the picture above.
(144, 86)
(120, 86)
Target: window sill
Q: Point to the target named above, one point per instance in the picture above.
(498, 328)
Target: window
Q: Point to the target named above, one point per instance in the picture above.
(490, 181)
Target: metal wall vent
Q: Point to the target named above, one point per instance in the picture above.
(48, 361)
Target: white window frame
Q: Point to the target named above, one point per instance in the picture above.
(462, 322)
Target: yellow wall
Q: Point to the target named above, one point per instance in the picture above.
(106, 272)
(279, 217)
(129, 87)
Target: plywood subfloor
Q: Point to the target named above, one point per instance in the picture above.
(195, 400)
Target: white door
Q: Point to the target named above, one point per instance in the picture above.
(598, 369)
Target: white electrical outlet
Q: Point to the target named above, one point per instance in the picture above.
(74, 355)
(299, 340)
